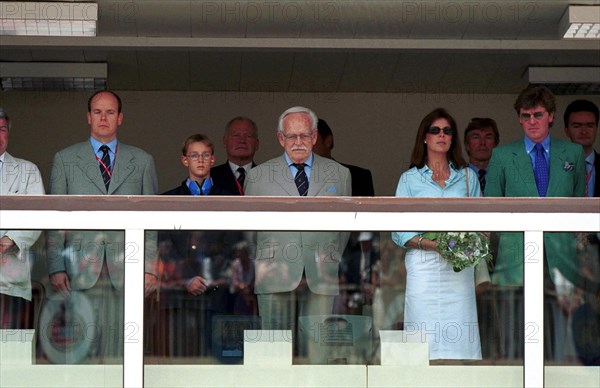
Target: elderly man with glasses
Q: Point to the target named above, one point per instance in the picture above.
(297, 266)
(538, 165)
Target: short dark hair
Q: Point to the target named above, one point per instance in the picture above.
(120, 105)
(4, 116)
(535, 95)
(197, 138)
(481, 123)
(419, 153)
(324, 130)
(580, 106)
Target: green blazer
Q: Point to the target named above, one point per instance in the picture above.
(282, 257)
(510, 174)
(75, 171)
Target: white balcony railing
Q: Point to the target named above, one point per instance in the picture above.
(135, 214)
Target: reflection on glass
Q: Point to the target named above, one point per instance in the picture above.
(16, 258)
(82, 318)
(577, 330)
(206, 278)
(211, 283)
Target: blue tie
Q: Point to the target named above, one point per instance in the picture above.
(541, 170)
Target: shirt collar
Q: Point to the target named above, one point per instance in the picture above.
(530, 144)
(426, 168)
(2, 157)
(308, 161)
(474, 168)
(96, 144)
(591, 158)
(426, 171)
(234, 167)
(195, 190)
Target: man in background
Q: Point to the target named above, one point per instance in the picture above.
(241, 143)
(581, 126)
(362, 251)
(362, 180)
(481, 137)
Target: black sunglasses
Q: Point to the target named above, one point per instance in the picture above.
(435, 130)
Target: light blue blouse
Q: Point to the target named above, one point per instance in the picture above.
(418, 182)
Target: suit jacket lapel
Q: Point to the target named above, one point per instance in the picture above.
(523, 167)
(124, 167)
(557, 163)
(88, 157)
(316, 183)
(8, 176)
(283, 176)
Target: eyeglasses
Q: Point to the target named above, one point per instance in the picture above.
(303, 137)
(435, 130)
(536, 115)
(194, 157)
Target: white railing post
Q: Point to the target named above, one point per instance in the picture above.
(533, 283)
(133, 360)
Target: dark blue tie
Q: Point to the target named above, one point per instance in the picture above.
(105, 165)
(482, 179)
(301, 179)
(541, 170)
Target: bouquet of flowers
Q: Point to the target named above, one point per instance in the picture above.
(462, 249)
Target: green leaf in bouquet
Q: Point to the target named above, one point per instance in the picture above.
(431, 235)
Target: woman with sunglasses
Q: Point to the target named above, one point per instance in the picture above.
(440, 303)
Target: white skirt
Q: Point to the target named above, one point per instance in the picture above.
(440, 306)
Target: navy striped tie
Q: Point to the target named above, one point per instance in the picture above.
(301, 179)
(105, 165)
(482, 179)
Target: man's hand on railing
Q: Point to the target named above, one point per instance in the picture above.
(61, 284)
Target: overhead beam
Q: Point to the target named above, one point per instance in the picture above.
(186, 43)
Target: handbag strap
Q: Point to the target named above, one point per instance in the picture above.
(467, 173)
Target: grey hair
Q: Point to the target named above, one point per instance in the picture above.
(4, 116)
(298, 109)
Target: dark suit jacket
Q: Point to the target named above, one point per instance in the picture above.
(224, 178)
(362, 181)
(183, 189)
(597, 166)
(182, 251)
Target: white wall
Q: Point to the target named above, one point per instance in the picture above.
(372, 130)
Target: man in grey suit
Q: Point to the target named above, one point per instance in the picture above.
(17, 177)
(92, 262)
(297, 265)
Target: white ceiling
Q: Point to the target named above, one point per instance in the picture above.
(319, 46)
